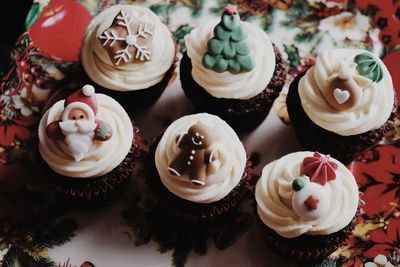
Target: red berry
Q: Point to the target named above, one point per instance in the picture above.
(301, 68)
(35, 70)
(309, 62)
(28, 77)
(24, 65)
(40, 83)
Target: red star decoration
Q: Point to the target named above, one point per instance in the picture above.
(320, 168)
(311, 203)
(231, 9)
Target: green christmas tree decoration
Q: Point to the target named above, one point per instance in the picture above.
(368, 66)
(229, 50)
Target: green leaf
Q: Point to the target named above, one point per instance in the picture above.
(298, 10)
(287, 23)
(54, 234)
(195, 5)
(159, 9)
(293, 56)
(33, 15)
(11, 259)
(16, 257)
(43, 262)
(180, 34)
(307, 36)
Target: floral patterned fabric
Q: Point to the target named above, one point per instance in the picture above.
(32, 220)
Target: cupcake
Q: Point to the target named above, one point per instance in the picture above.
(130, 54)
(344, 104)
(198, 170)
(88, 144)
(307, 204)
(233, 70)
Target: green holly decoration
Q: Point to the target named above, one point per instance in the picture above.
(228, 50)
(103, 131)
(368, 66)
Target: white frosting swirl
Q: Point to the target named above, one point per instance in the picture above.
(274, 199)
(102, 157)
(244, 85)
(232, 158)
(99, 67)
(371, 112)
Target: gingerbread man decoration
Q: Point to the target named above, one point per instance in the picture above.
(78, 126)
(196, 158)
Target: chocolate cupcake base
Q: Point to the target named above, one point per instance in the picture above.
(130, 100)
(192, 212)
(138, 99)
(92, 193)
(242, 115)
(314, 138)
(308, 249)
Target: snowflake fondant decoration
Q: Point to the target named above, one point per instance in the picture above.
(128, 40)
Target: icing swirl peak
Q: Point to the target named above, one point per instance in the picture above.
(126, 48)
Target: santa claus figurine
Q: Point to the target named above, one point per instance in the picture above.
(78, 126)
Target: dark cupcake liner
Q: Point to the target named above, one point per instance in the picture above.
(242, 115)
(138, 99)
(309, 249)
(314, 138)
(93, 193)
(192, 212)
